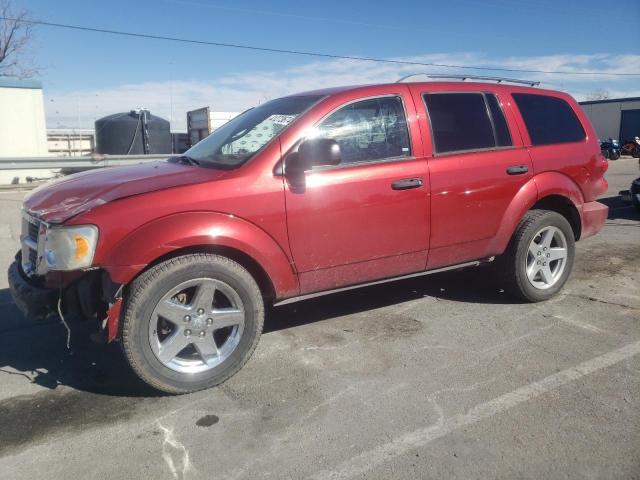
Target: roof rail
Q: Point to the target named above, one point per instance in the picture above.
(531, 83)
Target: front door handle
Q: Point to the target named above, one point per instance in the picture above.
(517, 170)
(407, 183)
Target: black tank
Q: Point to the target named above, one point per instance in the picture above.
(132, 133)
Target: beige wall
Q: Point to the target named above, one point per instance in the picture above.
(22, 124)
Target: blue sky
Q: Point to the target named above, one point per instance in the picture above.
(88, 75)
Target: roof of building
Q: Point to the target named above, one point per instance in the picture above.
(611, 100)
(12, 82)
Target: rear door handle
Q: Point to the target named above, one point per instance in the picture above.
(407, 183)
(517, 170)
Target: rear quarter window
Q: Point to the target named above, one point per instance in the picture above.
(549, 120)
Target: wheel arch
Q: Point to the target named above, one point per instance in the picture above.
(211, 232)
(565, 207)
(560, 193)
(256, 270)
(548, 190)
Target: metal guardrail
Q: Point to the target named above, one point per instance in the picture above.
(94, 161)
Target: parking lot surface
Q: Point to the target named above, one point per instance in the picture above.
(440, 376)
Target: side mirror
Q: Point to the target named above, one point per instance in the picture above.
(313, 153)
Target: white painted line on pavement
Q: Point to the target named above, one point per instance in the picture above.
(365, 461)
(586, 326)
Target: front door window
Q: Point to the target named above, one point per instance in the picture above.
(368, 130)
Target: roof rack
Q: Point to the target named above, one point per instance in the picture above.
(531, 83)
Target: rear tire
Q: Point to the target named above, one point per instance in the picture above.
(191, 322)
(539, 258)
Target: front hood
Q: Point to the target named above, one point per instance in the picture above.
(66, 197)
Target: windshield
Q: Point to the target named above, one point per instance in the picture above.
(239, 139)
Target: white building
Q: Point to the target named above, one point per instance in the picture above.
(23, 131)
(617, 118)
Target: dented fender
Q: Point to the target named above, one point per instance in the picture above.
(194, 229)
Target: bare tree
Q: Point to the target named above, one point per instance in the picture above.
(600, 94)
(15, 38)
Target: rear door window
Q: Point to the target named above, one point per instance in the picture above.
(466, 122)
(549, 120)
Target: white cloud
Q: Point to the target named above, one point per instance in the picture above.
(238, 92)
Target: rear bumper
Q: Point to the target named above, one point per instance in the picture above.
(633, 194)
(593, 215)
(629, 197)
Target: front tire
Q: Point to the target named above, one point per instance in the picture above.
(191, 322)
(539, 258)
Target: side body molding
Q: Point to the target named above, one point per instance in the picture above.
(191, 229)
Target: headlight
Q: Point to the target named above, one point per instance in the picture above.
(70, 248)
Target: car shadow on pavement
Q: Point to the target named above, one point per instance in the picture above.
(471, 285)
(38, 352)
(618, 210)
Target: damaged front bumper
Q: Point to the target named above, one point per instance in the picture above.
(83, 295)
(33, 300)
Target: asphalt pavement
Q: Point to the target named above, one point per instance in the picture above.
(443, 376)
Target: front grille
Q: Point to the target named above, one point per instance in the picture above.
(32, 230)
(30, 245)
(33, 257)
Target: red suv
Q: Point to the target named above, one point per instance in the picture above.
(305, 195)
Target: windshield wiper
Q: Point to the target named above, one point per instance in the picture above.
(186, 159)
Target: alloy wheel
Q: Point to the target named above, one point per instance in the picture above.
(196, 325)
(546, 258)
